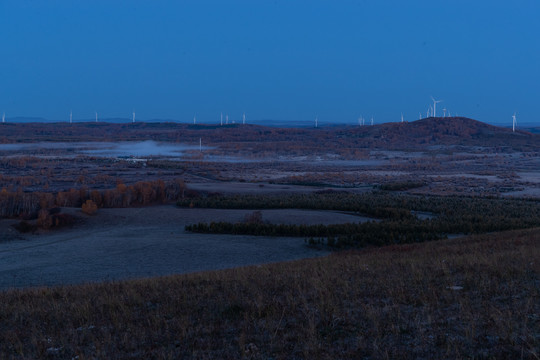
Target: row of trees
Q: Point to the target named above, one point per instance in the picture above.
(141, 193)
(382, 205)
(447, 215)
(338, 235)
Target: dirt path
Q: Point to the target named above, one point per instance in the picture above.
(142, 242)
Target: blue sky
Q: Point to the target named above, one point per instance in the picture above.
(282, 59)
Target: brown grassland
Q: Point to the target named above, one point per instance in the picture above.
(471, 297)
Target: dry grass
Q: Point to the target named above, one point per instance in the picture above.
(474, 297)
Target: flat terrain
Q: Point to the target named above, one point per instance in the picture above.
(449, 156)
(150, 241)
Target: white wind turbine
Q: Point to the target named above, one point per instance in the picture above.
(71, 117)
(194, 120)
(3, 117)
(401, 117)
(316, 121)
(133, 118)
(372, 121)
(435, 106)
(96, 116)
(244, 119)
(514, 122)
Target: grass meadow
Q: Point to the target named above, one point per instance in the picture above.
(474, 297)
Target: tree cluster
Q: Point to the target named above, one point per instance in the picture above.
(399, 224)
(28, 204)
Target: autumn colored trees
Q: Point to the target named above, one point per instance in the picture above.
(142, 193)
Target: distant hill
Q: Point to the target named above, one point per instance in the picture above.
(534, 130)
(443, 131)
(26, 119)
(421, 134)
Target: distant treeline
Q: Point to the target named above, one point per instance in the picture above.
(337, 235)
(451, 215)
(141, 193)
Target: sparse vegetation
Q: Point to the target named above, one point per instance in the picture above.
(474, 297)
(400, 186)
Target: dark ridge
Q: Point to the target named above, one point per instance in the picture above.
(418, 134)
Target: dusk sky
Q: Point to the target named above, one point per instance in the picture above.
(281, 60)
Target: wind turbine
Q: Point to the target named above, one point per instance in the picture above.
(514, 122)
(70, 117)
(401, 117)
(3, 117)
(372, 121)
(444, 112)
(419, 116)
(194, 120)
(316, 121)
(227, 119)
(96, 116)
(133, 119)
(435, 106)
(244, 119)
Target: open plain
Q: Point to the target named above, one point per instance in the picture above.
(185, 241)
(142, 242)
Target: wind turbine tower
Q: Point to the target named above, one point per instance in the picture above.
(96, 116)
(514, 122)
(435, 106)
(194, 120)
(133, 119)
(372, 121)
(226, 119)
(316, 121)
(401, 117)
(3, 117)
(244, 119)
(444, 112)
(71, 117)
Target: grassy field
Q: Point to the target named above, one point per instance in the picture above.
(471, 297)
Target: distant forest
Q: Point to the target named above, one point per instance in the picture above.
(397, 217)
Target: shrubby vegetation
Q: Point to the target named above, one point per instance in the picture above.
(401, 186)
(398, 222)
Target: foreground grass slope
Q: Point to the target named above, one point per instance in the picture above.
(472, 297)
